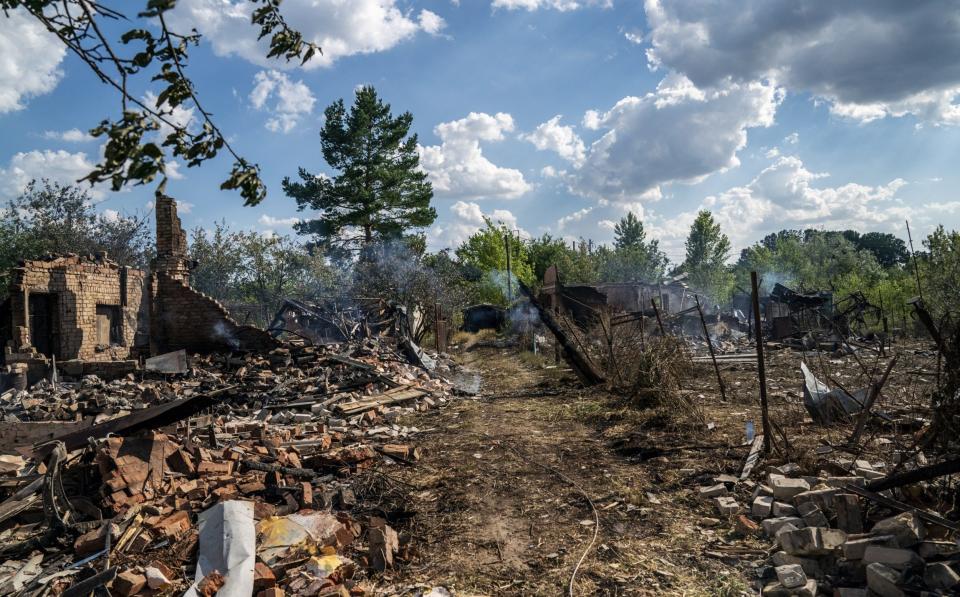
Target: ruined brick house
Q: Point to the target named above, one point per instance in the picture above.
(91, 314)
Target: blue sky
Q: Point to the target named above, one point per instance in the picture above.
(557, 116)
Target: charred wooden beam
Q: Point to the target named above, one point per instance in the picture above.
(577, 361)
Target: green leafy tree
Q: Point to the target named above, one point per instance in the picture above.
(50, 218)
(707, 251)
(219, 257)
(889, 250)
(940, 274)
(150, 50)
(379, 193)
(484, 255)
(274, 268)
(575, 265)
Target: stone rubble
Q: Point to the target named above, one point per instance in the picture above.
(824, 544)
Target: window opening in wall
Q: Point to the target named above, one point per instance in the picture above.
(109, 326)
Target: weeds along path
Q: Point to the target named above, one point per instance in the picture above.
(494, 510)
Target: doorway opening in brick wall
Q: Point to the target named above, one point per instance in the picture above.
(44, 323)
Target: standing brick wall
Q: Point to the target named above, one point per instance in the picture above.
(196, 322)
(77, 286)
(181, 317)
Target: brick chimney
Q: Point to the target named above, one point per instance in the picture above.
(171, 241)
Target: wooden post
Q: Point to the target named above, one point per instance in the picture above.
(643, 323)
(713, 356)
(657, 313)
(868, 403)
(886, 329)
(916, 266)
(761, 370)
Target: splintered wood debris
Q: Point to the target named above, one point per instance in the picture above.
(225, 473)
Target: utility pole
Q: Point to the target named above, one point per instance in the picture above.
(916, 266)
(506, 241)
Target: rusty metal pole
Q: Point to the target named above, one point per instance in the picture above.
(713, 356)
(761, 370)
(657, 313)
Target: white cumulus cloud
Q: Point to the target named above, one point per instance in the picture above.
(561, 5)
(30, 59)
(466, 218)
(431, 22)
(867, 59)
(273, 222)
(457, 167)
(562, 139)
(58, 166)
(788, 195)
(70, 136)
(340, 27)
(286, 101)
(678, 133)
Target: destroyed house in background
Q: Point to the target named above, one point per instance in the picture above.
(90, 315)
(338, 319)
(584, 304)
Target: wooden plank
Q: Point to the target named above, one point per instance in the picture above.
(27, 433)
(384, 399)
(756, 451)
(148, 418)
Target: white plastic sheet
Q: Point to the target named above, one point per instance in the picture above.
(228, 544)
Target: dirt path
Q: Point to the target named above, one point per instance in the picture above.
(492, 508)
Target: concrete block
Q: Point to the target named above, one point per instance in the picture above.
(772, 525)
(929, 549)
(854, 548)
(884, 580)
(906, 527)
(823, 498)
(783, 509)
(812, 515)
(849, 513)
(791, 575)
(811, 566)
(713, 491)
(778, 590)
(811, 541)
(762, 506)
(727, 505)
(941, 576)
(786, 489)
(895, 557)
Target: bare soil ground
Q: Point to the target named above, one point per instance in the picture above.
(501, 502)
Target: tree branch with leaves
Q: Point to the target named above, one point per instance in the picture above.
(134, 152)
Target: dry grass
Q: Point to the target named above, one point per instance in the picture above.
(467, 340)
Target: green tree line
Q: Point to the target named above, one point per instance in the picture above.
(365, 236)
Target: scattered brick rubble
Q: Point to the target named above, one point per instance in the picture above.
(830, 540)
(286, 435)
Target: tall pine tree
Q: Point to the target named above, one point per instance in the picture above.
(379, 192)
(629, 232)
(707, 251)
(633, 258)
